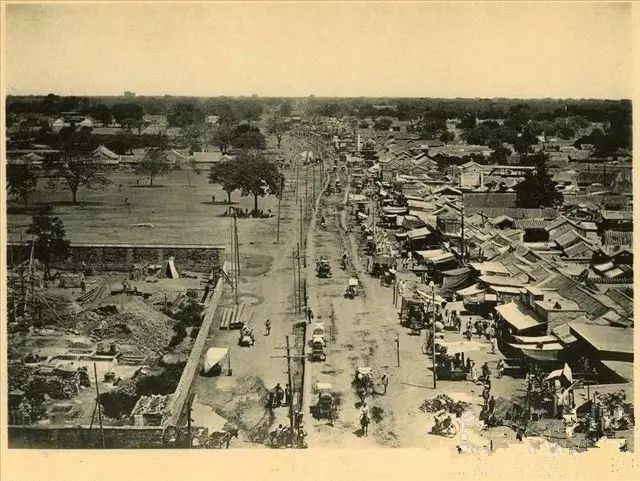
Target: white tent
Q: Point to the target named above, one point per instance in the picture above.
(169, 269)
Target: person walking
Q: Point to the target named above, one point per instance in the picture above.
(486, 395)
(267, 327)
(385, 382)
(500, 368)
(309, 315)
(474, 372)
(486, 372)
(213, 198)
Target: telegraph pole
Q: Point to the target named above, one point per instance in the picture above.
(236, 256)
(288, 357)
(279, 202)
(462, 247)
(295, 284)
(95, 374)
(299, 280)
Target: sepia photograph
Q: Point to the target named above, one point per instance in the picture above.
(301, 226)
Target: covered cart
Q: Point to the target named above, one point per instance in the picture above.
(326, 405)
(352, 288)
(214, 360)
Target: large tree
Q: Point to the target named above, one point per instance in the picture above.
(221, 136)
(538, 188)
(126, 111)
(49, 237)
(154, 164)
(185, 114)
(250, 140)
(76, 170)
(225, 174)
(21, 182)
(277, 126)
(257, 176)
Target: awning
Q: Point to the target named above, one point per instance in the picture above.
(420, 233)
(442, 258)
(426, 254)
(517, 316)
(536, 339)
(506, 289)
(458, 347)
(471, 290)
(457, 306)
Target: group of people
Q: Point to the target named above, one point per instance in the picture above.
(246, 213)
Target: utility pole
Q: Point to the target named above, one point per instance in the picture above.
(236, 257)
(433, 331)
(295, 284)
(288, 357)
(299, 279)
(189, 440)
(282, 185)
(95, 375)
(397, 341)
(462, 247)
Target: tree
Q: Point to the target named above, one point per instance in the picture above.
(192, 170)
(78, 169)
(50, 242)
(447, 136)
(286, 108)
(225, 174)
(21, 182)
(221, 136)
(382, 123)
(500, 154)
(277, 126)
(185, 114)
(100, 112)
(154, 164)
(249, 140)
(538, 188)
(257, 176)
(468, 121)
(192, 136)
(126, 111)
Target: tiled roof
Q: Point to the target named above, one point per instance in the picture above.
(616, 237)
(581, 249)
(622, 300)
(530, 223)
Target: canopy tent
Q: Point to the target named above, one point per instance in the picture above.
(395, 210)
(213, 356)
(518, 316)
(426, 254)
(561, 374)
(441, 258)
(416, 234)
(169, 270)
(353, 282)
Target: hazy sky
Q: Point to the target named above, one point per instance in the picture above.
(330, 49)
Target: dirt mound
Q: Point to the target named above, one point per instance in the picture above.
(243, 404)
(138, 323)
(442, 401)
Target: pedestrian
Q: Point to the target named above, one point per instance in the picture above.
(486, 372)
(486, 395)
(267, 327)
(494, 345)
(492, 404)
(309, 315)
(500, 368)
(468, 364)
(83, 286)
(385, 382)
(474, 372)
(213, 198)
(275, 434)
(287, 390)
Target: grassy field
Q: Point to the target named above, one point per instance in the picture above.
(179, 213)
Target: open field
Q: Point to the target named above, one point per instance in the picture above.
(179, 213)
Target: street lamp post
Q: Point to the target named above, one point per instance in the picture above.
(433, 330)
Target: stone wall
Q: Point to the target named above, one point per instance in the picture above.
(81, 437)
(121, 257)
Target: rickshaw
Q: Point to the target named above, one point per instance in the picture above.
(323, 268)
(388, 277)
(326, 405)
(352, 288)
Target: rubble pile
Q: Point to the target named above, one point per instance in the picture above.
(443, 402)
(138, 323)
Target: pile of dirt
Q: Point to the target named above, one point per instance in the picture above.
(136, 322)
(243, 404)
(444, 402)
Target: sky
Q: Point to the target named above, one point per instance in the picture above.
(561, 50)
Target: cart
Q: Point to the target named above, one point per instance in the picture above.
(317, 349)
(352, 288)
(326, 405)
(364, 379)
(323, 269)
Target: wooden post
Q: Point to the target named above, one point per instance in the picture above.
(95, 374)
(290, 393)
(397, 340)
